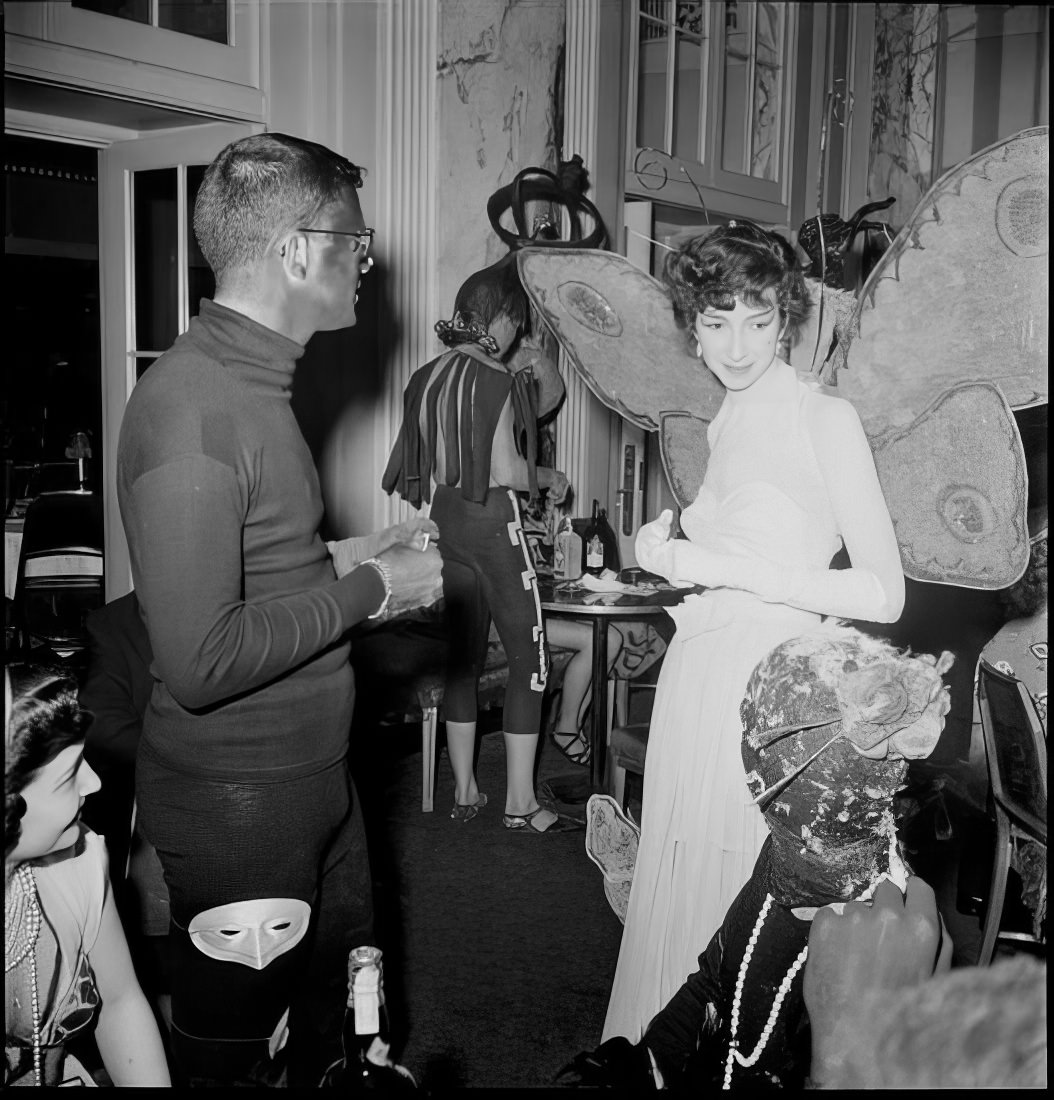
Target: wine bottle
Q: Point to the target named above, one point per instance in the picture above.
(612, 558)
(593, 544)
(366, 1066)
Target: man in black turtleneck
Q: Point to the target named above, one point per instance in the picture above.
(241, 778)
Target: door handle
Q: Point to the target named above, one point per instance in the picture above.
(627, 512)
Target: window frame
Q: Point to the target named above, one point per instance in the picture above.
(667, 179)
(115, 56)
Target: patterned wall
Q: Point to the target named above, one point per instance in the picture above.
(903, 106)
(498, 70)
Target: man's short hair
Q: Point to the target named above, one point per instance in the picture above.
(261, 186)
(974, 1027)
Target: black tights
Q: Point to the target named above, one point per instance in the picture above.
(488, 572)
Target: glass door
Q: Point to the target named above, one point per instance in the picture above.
(152, 274)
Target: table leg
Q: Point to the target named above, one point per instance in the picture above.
(599, 708)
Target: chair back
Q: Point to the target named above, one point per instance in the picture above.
(1016, 747)
(60, 571)
(62, 520)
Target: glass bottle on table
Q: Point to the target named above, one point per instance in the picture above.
(612, 558)
(567, 553)
(593, 544)
(366, 1066)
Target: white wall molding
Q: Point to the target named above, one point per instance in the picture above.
(72, 131)
(584, 428)
(406, 222)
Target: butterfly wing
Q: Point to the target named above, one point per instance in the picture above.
(616, 324)
(961, 295)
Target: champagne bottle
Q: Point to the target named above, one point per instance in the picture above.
(594, 544)
(366, 1066)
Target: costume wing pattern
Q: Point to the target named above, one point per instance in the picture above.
(616, 325)
(955, 484)
(961, 294)
(685, 452)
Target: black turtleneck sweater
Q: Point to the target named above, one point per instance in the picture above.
(221, 507)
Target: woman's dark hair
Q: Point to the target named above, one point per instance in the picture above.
(1028, 594)
(487, 294)
(45, 718)
(738, 260)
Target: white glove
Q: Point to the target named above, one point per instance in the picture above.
(845, 593)
(652, 545)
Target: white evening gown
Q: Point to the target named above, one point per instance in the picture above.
(763, 496)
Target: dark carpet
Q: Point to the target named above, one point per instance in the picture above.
(500, 947)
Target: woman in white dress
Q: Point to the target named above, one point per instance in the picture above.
(789, 480)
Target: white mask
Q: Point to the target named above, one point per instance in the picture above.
(252, 933)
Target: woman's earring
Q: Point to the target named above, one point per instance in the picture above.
(698, 350)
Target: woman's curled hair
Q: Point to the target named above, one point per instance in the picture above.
(44, 719)
(738, 260)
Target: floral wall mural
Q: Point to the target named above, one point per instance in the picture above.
(904, 102)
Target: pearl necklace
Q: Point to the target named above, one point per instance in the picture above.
(22, 923)
(784, 988)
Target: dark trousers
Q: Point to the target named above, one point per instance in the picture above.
(224, 842)
(488, 572)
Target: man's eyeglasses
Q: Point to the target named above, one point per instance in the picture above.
(363, 237)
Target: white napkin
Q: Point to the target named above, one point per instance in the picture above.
(606, 582)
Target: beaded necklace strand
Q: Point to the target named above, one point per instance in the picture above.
(784, 988)
(22, 923)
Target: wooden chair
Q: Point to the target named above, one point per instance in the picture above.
(1016, 747)
(399, 670)
(628, 740)
(629, 747)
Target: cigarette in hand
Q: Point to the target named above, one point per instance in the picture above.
(424, 545)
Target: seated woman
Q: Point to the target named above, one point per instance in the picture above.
(66, 962)
(632, 647)
(569, 733)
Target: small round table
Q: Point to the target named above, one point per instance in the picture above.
(602, 608)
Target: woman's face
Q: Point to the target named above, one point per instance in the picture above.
(740, 344)
(53, 804)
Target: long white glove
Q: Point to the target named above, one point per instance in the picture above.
(846, 593)
(651, 546)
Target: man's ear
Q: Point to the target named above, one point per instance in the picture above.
(293, 254)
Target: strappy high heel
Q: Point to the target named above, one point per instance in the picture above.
(583, 756)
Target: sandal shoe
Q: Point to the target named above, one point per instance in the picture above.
(583, 756)
(461, 812)
(528, 822)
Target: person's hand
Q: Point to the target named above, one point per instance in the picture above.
(894, 942)
(652, 545)
(412, 532)
(555, 482)
(417, 578)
